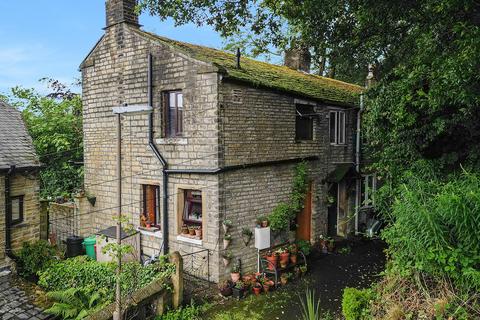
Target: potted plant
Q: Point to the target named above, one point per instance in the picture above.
(262, 221)
(323, 244)
(235, 273)
(184, 229)
(257, 288)
(143, 220)
(225, 288)
(330, 245)
(285, 277)
(227, 257)
(191, 230)
(246, 236)
(227, 224)
(258, 222)
(239, 290)
(303, 269)
(272, 258)
(267, 284)
(284, 257)
(196, 215)
(227, 238)
(198, 232)
(293, 249)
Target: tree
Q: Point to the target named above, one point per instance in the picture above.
(54, 121)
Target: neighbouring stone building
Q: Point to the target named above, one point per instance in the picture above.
(19, 185)
(222, 142)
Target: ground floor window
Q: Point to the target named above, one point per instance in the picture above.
(17, 209)
(191, 213)
(150, 217)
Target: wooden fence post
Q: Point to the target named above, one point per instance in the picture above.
(177, 279)
(44, 219)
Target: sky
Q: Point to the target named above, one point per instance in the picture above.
(50, 38)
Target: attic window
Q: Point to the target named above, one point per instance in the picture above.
(237, 96)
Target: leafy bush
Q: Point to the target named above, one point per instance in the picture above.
(76, 303)
(82, 272)
(190, 312)
(355, 303)
(436, 229)
(34, 257)
(304, 246)
(280, 217)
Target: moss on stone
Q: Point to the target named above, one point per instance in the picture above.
(262, 74)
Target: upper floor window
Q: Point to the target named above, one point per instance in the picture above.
(304, 122)
(337, 127)
(17, 209)
(173, 113)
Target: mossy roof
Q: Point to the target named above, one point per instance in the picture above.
(262, 74)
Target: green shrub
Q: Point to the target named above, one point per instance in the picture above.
(355, 303)
(82, 272)
(190, 312)
(435, 230)
(34, 257)
(76, 304)
(304, 246)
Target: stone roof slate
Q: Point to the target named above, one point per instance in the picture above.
(16, 147)
(267, 75)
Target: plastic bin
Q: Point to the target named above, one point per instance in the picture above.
(89, 244)
(74, 246)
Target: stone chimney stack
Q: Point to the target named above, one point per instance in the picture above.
(298, 58)
(121, 11)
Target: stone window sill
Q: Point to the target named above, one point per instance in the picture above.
(19, 225)
(156, 234)
(181, 141)
(189, 240)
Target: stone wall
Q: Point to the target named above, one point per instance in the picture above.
(116, 73)
(29, 229)
(2, 218)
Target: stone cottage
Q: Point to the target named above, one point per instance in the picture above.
(221, 143)
(19, 184)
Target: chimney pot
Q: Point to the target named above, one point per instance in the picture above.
(121, 11)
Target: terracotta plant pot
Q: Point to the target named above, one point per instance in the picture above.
(265, 224)
(198, 233)
(257, 289)
(284, 259)
(273, 262)
(293, 258)
(226, 244)
(191, 232)
(235, 276)
(266, 288)
(184, 230)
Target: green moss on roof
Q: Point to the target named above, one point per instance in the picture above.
(267, 75)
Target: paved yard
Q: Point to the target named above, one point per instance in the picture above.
(15, 301)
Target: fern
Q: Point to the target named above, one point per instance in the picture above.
(75, 304)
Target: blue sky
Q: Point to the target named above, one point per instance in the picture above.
(50, 38)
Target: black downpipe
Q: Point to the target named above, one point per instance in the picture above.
(159, 156)
(8, 215)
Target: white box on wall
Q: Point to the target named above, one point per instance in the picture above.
(262, 238)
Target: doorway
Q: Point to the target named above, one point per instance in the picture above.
(332, 218)
(304, 218)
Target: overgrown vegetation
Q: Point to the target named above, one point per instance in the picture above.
(54, 121)
(284, 213)
(76, 303)
(34, 257)
(356, 303)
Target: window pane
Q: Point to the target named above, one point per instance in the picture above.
(304, 122)
(150, 204)
(333, 127)
(179, 113)
(341, 128)
(16, 215)
(192, 213)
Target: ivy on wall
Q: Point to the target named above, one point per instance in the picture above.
(283, 213)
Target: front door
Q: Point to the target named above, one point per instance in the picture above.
(304, 218)
(332, 210)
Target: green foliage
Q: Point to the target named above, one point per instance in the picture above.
(304, 246)
(54, 122)
(310, 310)
(283, 213)
(189, 312)
(355, 303)
(82, 272)
(436, 229)
(34, 257)
(76, 303)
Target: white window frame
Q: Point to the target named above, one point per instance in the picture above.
(340, 127)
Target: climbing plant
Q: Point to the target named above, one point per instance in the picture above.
(283, 213)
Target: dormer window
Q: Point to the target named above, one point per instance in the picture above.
(173, 114)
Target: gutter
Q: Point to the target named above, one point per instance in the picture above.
(8, 215)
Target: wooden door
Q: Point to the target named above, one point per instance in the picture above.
(304, 218)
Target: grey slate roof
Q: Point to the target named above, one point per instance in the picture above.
(16, 147)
